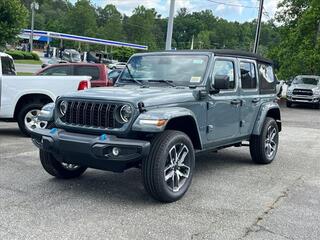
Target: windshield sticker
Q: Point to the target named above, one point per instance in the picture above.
(195, 79)
(197, 61)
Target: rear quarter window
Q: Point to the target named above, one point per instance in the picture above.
(267, 80)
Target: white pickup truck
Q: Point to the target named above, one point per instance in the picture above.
(22, 97)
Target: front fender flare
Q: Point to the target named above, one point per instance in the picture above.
(263, 112)
(161, 114)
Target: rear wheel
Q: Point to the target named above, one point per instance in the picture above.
(58, 169)
(167, 172)
(264, 147)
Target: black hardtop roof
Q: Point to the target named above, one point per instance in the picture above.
(239, 53)
(225, 53)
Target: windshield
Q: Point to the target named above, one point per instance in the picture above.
(75, 56)
(312, 81)
(180, 70)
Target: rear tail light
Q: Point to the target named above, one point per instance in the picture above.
(84, 85)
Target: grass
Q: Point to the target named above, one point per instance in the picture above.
(27, 61)
(24, 74)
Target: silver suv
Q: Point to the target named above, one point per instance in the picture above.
(304, 89)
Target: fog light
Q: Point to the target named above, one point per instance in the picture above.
(115, 151)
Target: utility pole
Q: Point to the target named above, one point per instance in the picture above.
(257, 39)
(34, 6)
(170, 26)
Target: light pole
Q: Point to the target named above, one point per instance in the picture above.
(34, 6)
(257, 38)
(170, 26)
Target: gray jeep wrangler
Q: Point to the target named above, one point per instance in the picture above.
(164, 108)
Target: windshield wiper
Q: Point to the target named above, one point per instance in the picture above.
(132, 78)
(164, 81)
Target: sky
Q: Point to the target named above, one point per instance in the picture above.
(232, 10)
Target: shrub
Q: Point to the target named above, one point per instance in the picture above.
(27, 55)
(35, 56)
(16, 54)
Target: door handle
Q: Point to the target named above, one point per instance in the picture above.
(236, 102)
(256, 100)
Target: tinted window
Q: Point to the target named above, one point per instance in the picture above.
(7, 66)
(226, 68)
(87, 71)
(267, 79)
(57, 71)
(248, 75)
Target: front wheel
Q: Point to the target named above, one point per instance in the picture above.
(167, 172)
(58, 169)
(27, 118)
(264, 147)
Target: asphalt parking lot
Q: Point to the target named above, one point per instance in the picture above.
(230, 197)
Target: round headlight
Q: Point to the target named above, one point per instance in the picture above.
(125, 113)
(63, 107)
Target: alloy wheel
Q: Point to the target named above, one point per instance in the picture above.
(271, 142)
(32, 122)
(177, 168)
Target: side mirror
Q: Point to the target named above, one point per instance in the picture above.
(220, 82)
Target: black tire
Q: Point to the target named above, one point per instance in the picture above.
(258, 151)
(316, 105)
(154, 165)
(56, 169)
(22, 113)
(289, 104)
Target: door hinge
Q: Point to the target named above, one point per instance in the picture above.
(241, 123)
(209, 128)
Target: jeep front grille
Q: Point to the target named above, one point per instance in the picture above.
(91, 114)
(304, 92)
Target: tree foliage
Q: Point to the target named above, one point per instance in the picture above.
(12, 19)
(299, 49)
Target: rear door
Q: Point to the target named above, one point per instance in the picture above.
(250, 96)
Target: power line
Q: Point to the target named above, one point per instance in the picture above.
(232, 5)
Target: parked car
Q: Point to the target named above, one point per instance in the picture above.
(304, 89)
(97, 72)
(22, 97)
(165, 107)
(71, 55)
(117, 65)
(114, 74)
(52, 62)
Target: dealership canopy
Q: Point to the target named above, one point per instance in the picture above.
(40, 33)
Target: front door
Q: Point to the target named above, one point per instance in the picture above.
(223, 116)
(249, 93)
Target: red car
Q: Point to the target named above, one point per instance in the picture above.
(98, 72)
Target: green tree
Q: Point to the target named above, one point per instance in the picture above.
(299, 48)
(110, 23)
(82, 19)
(141, 26)
(13, 16)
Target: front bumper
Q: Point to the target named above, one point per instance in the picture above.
(91, 150)
(303, 99)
